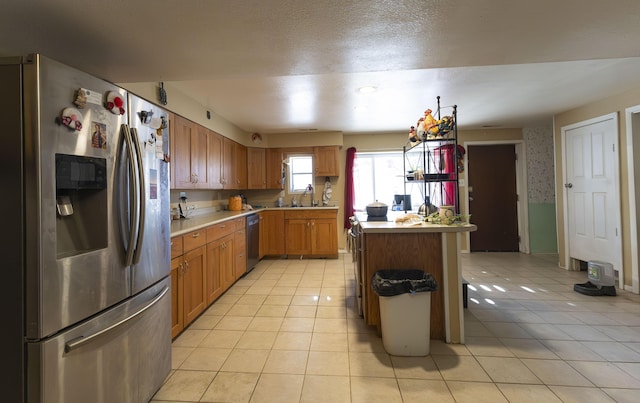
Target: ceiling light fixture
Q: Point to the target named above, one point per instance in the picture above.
(367, 89)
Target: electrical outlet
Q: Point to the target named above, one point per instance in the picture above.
(183, 195)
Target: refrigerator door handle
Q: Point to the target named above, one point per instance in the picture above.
(141, 196)
(82, 340)
(132, 193)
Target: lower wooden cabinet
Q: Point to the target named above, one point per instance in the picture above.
(324, 236)
(177, 291)
(204, 264)
(311, 232)
(188, 266)
(194, 298)
(298, 236)
(240, 252)
(272, 232)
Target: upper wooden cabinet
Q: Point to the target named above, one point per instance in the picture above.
(274, 168)
(215, 160)
(256, 168)
(190, 159)
(234, 165)
(326, 161)
(240, 171)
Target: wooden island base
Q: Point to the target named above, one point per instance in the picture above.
(432, 248)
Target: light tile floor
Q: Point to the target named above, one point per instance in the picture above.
(288, 332)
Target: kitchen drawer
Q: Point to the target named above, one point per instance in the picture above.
(309, 214)
(218, 231)
(194, 239)
(176, 247)
(241, 223)
(240, 239)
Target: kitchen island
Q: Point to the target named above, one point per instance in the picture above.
(433, 248)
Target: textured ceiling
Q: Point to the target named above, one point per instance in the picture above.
(281, 66)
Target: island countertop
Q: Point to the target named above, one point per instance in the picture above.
(394, 227)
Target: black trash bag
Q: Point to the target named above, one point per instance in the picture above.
(387, 283)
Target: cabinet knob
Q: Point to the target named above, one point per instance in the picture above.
(196, 235)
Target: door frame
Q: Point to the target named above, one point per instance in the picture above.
(633, 214)
(616, 172)
(522, 205)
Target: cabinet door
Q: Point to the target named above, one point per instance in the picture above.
(272, 230)
(214, 271)
(256, 168)
(274, 169)
(240, 252)
(194, 280)
(181, 153)
(215, 160)
(240, 166)
(324, 236)
(262, 240)
(325, 161)
(227, 260)
(172, 149)
(176, 296)
(200, 157)
(228, 163)
(298, 236)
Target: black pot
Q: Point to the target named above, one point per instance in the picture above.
(377, 209)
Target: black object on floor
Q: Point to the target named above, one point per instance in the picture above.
(589, 288)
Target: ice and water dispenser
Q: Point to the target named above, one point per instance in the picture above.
(81, 204)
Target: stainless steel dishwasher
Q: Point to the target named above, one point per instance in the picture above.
(253, 240)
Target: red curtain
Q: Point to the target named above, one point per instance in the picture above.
(349, 192)
(448, 164)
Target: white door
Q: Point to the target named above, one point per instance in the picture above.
(591, 190)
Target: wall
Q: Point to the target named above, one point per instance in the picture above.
(616, 104)
(541, 190)
(187, 107)
(390, 141)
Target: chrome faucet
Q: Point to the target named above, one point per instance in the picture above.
(309, 189)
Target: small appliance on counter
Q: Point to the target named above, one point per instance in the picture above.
(401, 203)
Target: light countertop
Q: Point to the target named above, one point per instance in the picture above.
(199, 221)
(371, 227)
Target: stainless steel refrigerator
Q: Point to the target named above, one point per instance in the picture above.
(85, 285)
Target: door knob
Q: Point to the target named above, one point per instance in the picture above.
(568, 185)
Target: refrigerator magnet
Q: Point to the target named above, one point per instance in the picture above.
(80, 99)
(72, 118)
(115, 103)
(99, 135)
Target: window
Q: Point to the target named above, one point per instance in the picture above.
(300, 173)
(379, 176)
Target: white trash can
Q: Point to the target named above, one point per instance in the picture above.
(405, 310)
(406, 324)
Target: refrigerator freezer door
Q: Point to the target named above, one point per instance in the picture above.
(122, 355)
(153, 255)
(74, 264)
